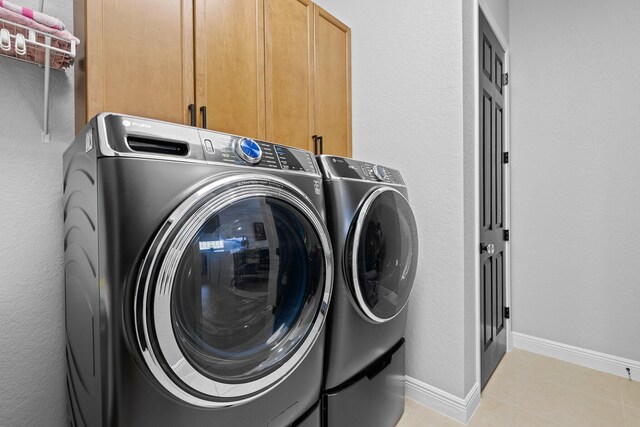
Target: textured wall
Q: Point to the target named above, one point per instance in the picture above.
(575, 132)
(407, 113)
(32, 366)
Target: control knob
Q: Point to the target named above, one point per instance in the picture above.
(248, 150)
(379, 172)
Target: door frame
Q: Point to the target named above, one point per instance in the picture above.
(482, 6)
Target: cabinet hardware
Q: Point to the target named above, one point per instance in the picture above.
(203, 112)
(192, 114)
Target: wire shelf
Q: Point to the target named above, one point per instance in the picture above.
(61, 51)
(37, 47)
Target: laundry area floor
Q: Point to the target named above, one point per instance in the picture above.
(528, 389)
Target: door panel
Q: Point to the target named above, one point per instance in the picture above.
(500, 302)
(492, 283)
(383, 255)
(499, 149)
(247, 289)
(129, 75)
(230, 65)
(288, 72)
(486, 132)
(333, 83)
(487, 335)
(231, 295)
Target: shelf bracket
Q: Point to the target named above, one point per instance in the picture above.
(46, 138)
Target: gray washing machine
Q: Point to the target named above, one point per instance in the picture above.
(198, 272)
(375, 243)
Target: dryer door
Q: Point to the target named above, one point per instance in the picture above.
(382, 255)
(234, 290)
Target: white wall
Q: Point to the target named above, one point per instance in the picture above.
(500, 11)
(575, 131)
(407, 113)
(32, 353)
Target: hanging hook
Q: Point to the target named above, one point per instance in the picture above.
(5, 40)
(21, 45)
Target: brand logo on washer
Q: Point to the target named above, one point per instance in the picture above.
(128, 123)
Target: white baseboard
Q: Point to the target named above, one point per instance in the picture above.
(439, 400)
(580, 356)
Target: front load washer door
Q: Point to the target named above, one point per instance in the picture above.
(234, 290)
(382, 255)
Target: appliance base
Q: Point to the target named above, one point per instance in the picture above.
(374, 398)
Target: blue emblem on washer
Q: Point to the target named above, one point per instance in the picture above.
(249, 150)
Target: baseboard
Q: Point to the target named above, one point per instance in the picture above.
(439, 400)
(580, 356)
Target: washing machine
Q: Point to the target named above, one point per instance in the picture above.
(375, 243)
(198, 273)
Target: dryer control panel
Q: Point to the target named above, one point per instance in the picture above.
(342, 167)
(236, 150)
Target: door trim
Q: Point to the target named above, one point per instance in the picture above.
(359, 302)
(482, 6)
(152, 300)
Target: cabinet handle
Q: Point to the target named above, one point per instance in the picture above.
(203, 112)
(192, 114)
(315, 144)
(321, 140)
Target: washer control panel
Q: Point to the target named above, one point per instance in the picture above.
(241, 151)
(248, 150)
(341, 167)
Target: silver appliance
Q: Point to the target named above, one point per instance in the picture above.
(375, 243)
(198, 272)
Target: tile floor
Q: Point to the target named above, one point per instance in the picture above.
(532, 390)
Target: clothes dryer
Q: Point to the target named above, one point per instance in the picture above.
(375, 242)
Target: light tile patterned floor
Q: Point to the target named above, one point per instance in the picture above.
(532, 390)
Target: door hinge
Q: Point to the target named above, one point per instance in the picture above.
(507, 313)
(505, 157)
(505, 79)
(506, 235)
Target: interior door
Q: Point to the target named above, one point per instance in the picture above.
(382, 255)
(332, 84)
(234, 291)
(229, 41)
(289, 72)
(492, 206)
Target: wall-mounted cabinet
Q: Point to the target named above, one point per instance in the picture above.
(271, 69)
(333, 83)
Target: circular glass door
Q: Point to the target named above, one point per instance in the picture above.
(383, 255)
(240, 291)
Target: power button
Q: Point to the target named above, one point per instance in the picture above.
(208, 145)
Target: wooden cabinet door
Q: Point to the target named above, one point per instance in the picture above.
(332, 83)
(139, 58)
(229, 46)
(288, 72)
